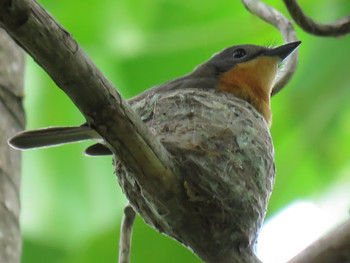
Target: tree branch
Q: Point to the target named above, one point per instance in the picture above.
(126, 234)
(105, 110)
(333, 247)
(285, 27)
(335, 29)
(12, 120)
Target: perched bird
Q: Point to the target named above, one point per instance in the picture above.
(246, 71)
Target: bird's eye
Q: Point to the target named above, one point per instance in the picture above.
(239, 53)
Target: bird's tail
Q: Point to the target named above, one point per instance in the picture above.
(52, 136)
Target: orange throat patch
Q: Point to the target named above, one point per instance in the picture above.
(252, 81)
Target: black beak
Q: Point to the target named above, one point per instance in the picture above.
(282, 51)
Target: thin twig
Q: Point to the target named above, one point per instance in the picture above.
(126, 234)
(285, 27)
(337, 28)
(333, 247)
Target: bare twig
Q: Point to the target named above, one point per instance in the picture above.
(279, 21)
(334, 29)
(126, 234)
(333, 247)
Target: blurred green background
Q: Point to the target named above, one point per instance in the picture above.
(72, 204)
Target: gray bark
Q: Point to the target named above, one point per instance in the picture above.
(11, 121)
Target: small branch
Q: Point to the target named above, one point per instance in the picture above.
(126, 234)
(285, 27)
(334, 29)
(105, 110)
(333, 247)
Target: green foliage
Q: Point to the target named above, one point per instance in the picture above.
(72, 204)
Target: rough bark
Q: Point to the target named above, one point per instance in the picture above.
(11, 121)
(54, 49)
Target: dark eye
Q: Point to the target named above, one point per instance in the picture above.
(238, 53)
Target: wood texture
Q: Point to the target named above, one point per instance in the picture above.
(11, 121)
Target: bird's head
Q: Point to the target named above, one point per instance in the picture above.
(249, 72)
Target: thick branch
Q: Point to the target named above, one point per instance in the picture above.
(11, 120)
(335, 29)
(53, 48)
(278, 20)
(333, 247)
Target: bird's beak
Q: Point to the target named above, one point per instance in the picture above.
(282, 51)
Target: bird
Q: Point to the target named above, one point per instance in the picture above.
(246, 71)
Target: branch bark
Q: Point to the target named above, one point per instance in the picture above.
(11, 121)
(53, 48)
(285, 27)
(337, 28)
(126, 234)
(333, 247)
